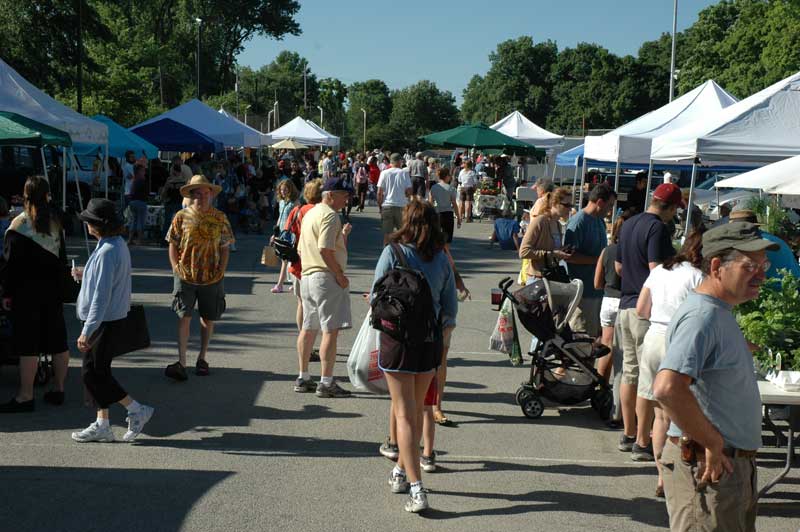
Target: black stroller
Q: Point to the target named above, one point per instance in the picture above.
(562, 369)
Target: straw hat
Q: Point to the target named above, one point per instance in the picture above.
(199, 181)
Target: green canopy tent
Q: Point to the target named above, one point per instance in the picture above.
(480, 136)
(17, 130)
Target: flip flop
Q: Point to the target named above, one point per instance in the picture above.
(440, 419)
(201, 368)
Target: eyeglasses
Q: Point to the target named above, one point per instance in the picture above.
(752, 267)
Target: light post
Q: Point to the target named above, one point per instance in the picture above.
(365, 129)
(199, 28)
(248, 106)
(269, 120)
(275, 115)
(305, 87)
(320, 116)
(672, 60)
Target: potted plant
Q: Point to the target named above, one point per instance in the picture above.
(773, 323)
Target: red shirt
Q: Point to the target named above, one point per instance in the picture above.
(374, 174)
(295, 268)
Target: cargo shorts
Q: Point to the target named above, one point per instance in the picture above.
(209, 298)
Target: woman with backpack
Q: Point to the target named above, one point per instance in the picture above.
(287, 196)
(410, 366)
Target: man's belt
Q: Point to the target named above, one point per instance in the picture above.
(690, 450)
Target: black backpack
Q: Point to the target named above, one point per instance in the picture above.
(286, 242)
(402, 304)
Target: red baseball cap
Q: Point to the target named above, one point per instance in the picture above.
(670, 193)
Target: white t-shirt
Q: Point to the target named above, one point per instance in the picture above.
(127, 177)
(467, 178)
(394, 182)
(668, 289)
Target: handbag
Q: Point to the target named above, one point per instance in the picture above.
(269, 258)
(127, 335)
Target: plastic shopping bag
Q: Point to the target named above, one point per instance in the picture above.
(502, 338)
(515, 355)
(362, 364)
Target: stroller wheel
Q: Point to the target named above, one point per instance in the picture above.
(532, 406)
(603, 403)
(523, 392)
(44, 371)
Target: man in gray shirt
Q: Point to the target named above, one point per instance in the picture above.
(419, 175)
(707, 385)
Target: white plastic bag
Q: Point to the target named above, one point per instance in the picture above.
(362, 364)
(502, 338)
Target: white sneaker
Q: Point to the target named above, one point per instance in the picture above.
(94, 433)
(136, 422)
(398, 483)
(417, 503)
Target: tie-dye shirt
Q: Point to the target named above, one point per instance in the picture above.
(200, 237)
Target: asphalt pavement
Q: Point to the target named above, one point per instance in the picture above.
(240, 450)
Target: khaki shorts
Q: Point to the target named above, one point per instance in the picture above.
(633, 330)
(654, 347)
(730, 504)
(586, 318)
(326, 305)
(391, 219)
(209, 298)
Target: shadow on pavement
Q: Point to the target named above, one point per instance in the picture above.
(568, 417)
(641, 510)
(578, 470)
(64, 498)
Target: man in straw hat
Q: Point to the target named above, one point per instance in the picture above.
(707, 386)
(199, 246)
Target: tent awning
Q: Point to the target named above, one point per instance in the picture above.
(479, 136)
(18, 95)
(121, 140)
(303, 131)
(202, 118)
(169, 135)
(517, 126)
(20, 130)
(766, 178)
(264, 138)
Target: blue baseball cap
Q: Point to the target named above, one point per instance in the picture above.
(334, 184)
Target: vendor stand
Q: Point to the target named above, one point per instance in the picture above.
(772, 395)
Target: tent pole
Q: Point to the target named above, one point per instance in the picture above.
(80, 201)
(64, 178)
(583, 179)
(649, 181)
(553, 177)
(616, 189)
(105, 170)
(575, 177)
(44, 164)
(689, 202)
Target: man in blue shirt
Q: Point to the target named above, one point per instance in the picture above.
(782, 258)
(586, 237)
(707, 385)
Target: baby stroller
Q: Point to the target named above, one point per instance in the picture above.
(562, 369)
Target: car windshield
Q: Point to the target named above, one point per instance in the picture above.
(708, 184)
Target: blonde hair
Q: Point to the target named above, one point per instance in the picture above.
(312, 192)
(291, 190)
(555, 197)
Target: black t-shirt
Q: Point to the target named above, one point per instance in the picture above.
(636, 199)
(644, 238)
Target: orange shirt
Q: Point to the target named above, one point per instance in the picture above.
(200, 237)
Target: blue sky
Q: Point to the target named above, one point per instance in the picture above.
(449, 41)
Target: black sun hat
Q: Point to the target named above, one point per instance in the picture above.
(101, 212)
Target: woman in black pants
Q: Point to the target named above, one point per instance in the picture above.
(105, 297)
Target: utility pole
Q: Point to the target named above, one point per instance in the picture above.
(672, 61)
(199, 29)
(365, 129)
(305, 87)
(320, 116)
(80, 57)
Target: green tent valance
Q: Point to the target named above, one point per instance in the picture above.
(18, 130)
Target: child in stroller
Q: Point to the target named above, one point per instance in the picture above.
(562, 367)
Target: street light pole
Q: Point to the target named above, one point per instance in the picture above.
(275, 115)
(236, 87)
(199, 28)
(80, 57)
(672, 60)
(269, 120)
(365, 129)
(320, 117)
(245, 113)
(305, 88)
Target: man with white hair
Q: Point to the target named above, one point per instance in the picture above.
(419, 175)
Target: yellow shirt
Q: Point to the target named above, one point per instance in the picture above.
(321, 229)
(200, 236)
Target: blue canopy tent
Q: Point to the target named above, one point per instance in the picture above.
(169, 135)
(121, 140)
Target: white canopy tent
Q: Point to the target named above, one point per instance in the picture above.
(197, 115)
(19, 96)
(303, 131)
(762, 128)
(782, 175)
(517, 126)
(266, 140)
(334, 140)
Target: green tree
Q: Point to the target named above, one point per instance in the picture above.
(373, 96)
(420, 109)
(332, 96)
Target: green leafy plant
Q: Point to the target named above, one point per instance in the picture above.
(773, 322)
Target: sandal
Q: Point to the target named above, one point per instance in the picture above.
(201, 368)
(277, 289)
(440, 419)
(660, 492)
(176, 372)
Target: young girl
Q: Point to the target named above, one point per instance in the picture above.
(287, 196)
